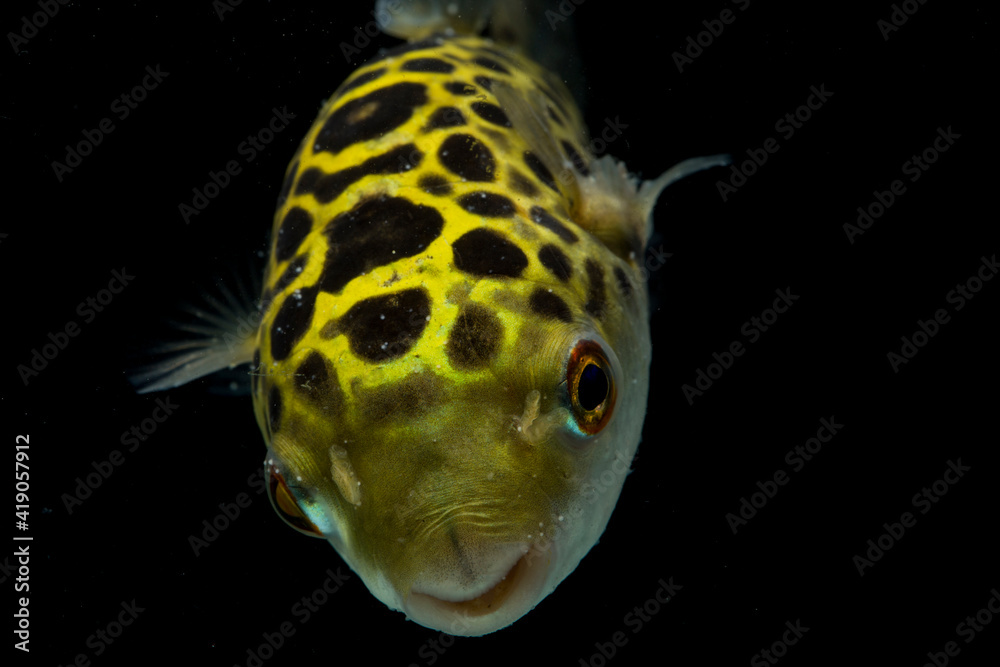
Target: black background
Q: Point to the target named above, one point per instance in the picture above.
(783, 229)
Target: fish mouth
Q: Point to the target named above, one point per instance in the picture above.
(491, 603)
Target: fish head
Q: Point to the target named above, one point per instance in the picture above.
(462, 483)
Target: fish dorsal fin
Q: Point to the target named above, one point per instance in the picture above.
(417, 19)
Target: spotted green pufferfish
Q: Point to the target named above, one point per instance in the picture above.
(452, 360)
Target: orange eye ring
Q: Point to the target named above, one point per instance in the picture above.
(591, 386)
(287, 507)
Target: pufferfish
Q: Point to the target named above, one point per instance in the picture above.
(452, 359)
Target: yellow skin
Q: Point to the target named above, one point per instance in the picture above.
(458, 455)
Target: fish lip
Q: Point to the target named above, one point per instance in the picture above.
(491, 606)
(511, 556)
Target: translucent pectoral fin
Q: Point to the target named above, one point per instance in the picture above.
(216, 335)
(618, 208)
(604, 198)
(650, 191)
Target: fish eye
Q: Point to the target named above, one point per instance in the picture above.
(287, 507)
(591, 386)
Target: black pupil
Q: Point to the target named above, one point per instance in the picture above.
(593, 387)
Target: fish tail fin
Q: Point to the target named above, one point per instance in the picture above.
(528, 26)
(216, 333)
(417, 19)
